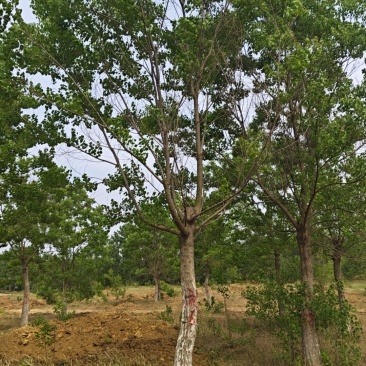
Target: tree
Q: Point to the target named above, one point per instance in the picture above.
(24, 220)
(215, 256)
(158, 86)
(340, 227)
(303, 50)
(75, 250)
(12, 99)
(19, 132)
(148, 252)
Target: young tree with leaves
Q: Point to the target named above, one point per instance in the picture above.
(75, 250)
(146, 251)
(25, 202)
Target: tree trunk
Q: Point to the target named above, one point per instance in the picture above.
(187, 334)
(277, 257)
(310, 344)
(63, 310)
(26, 287)
(157, 294)
(207, 288)
(336, 258)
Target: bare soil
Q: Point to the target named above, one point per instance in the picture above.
(130, 325)
(133, 327)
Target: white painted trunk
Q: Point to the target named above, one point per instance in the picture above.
(188, 328)
(26, 294)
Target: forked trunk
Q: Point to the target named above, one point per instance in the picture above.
(157, 294)
(310, 344)
(26, 287)
(187, 334)
(207, 287)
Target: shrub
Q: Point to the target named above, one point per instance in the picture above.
(335, 322)
(168, 289)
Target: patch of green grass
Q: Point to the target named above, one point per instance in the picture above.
(355, 285)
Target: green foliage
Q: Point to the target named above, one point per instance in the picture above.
(47, 293)
(98, 290)
(354, 268)
(78, 256)
(224, 291)
(167, 315)
(39, 320)
(335, 322)
(215, 307)
(168, 289)
(145, 253)
(46, 334)
(116, 285)
(154, 87)
(60, 309)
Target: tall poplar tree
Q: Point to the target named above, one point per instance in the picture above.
(155, 89)
(304, 51)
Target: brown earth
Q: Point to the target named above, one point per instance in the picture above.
(130, 325)
(132, 328)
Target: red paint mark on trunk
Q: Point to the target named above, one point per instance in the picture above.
(309, 317)
(192, 305)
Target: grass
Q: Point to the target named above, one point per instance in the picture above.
(247, 344)
(110, 358)
(355, 286)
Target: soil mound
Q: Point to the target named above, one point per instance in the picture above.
(88, 335)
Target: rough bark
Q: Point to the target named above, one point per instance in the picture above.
(26, 293)
(187, 334)
(157, 294)
(310, 344)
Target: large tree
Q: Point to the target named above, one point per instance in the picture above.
(304, 50)
(154, 88)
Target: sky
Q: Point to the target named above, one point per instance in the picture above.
(26, 11)
(81, 164)
(77, 163)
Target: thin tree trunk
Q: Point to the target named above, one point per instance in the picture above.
(336, 258)
(187, 334)
(207, 288)
(157, 294)
(64, 299)
(26, 294)
(310, 344)
(277, 257)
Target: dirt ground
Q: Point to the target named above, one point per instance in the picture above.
(131, 325)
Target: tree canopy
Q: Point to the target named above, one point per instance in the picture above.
(234, 131)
